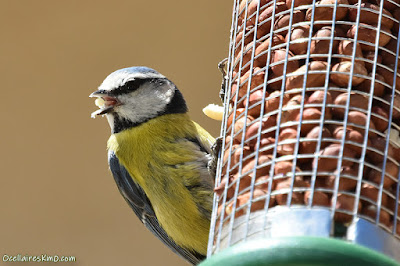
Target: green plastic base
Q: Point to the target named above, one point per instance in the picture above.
(298, 251)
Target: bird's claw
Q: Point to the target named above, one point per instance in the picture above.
(215, 150)
(222, 66)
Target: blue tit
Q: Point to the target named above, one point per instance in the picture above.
(158, 157)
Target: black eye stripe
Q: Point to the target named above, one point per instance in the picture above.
(133, 85)
(129, 86)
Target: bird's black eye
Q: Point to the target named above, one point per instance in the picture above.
(128, 87)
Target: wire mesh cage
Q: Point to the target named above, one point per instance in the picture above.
(311, 126)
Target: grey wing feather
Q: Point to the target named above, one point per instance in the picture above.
(140, 204)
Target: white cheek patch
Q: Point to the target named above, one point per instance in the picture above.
(145, 103)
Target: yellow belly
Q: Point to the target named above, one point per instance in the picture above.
(159, 158)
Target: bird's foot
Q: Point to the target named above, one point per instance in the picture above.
(222, 66)
(215, 150)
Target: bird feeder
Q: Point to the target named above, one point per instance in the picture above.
(308, 172)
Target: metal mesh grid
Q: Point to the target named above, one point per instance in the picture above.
(312, 115)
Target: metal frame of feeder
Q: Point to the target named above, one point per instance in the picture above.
(289, 220)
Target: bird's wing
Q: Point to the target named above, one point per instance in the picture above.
(204, 139)
(139, 202)
(207, 144)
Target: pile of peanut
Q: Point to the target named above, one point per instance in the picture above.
(269, 94)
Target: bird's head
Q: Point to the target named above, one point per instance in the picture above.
(134, 95)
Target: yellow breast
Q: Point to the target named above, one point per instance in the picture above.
(159, 158)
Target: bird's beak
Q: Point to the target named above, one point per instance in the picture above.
(105, 102)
